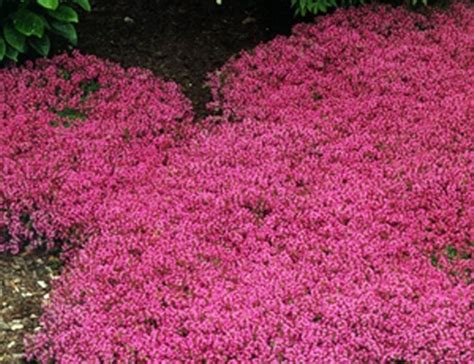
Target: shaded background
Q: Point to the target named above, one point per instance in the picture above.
(181, 40)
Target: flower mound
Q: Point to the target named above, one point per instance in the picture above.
(331, 223)
(72, 132)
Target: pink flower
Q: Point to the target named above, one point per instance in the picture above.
(326, 218)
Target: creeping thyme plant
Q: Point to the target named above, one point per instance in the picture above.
(322, 214)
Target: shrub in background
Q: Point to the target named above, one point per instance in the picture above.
(303, 7)
(26, 24)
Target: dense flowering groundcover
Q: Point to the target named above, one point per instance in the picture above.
(325, 215)
(72, 132)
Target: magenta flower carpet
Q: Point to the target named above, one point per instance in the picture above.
(323, 214)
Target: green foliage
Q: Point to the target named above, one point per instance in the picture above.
(304, 7)
(451, 252)
(26, 25)
(89, 87)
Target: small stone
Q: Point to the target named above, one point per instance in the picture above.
(128, 20)
(11, 345)
(16, 327)
(42, 284)
(248, 20)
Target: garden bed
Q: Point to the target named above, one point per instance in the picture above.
(323, 212)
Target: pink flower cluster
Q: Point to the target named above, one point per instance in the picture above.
(73, 132)
(326, 218)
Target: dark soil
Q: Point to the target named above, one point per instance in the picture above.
(181, 40)
(178, 40)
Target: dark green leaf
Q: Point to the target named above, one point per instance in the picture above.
(49, 4)
(45, 22)
(14, 38)
(84, 4)
(28, 23)
(64, 13)
(41, 45)
(11, 53)
(3, 49)
(322, 6)
(65, 30)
